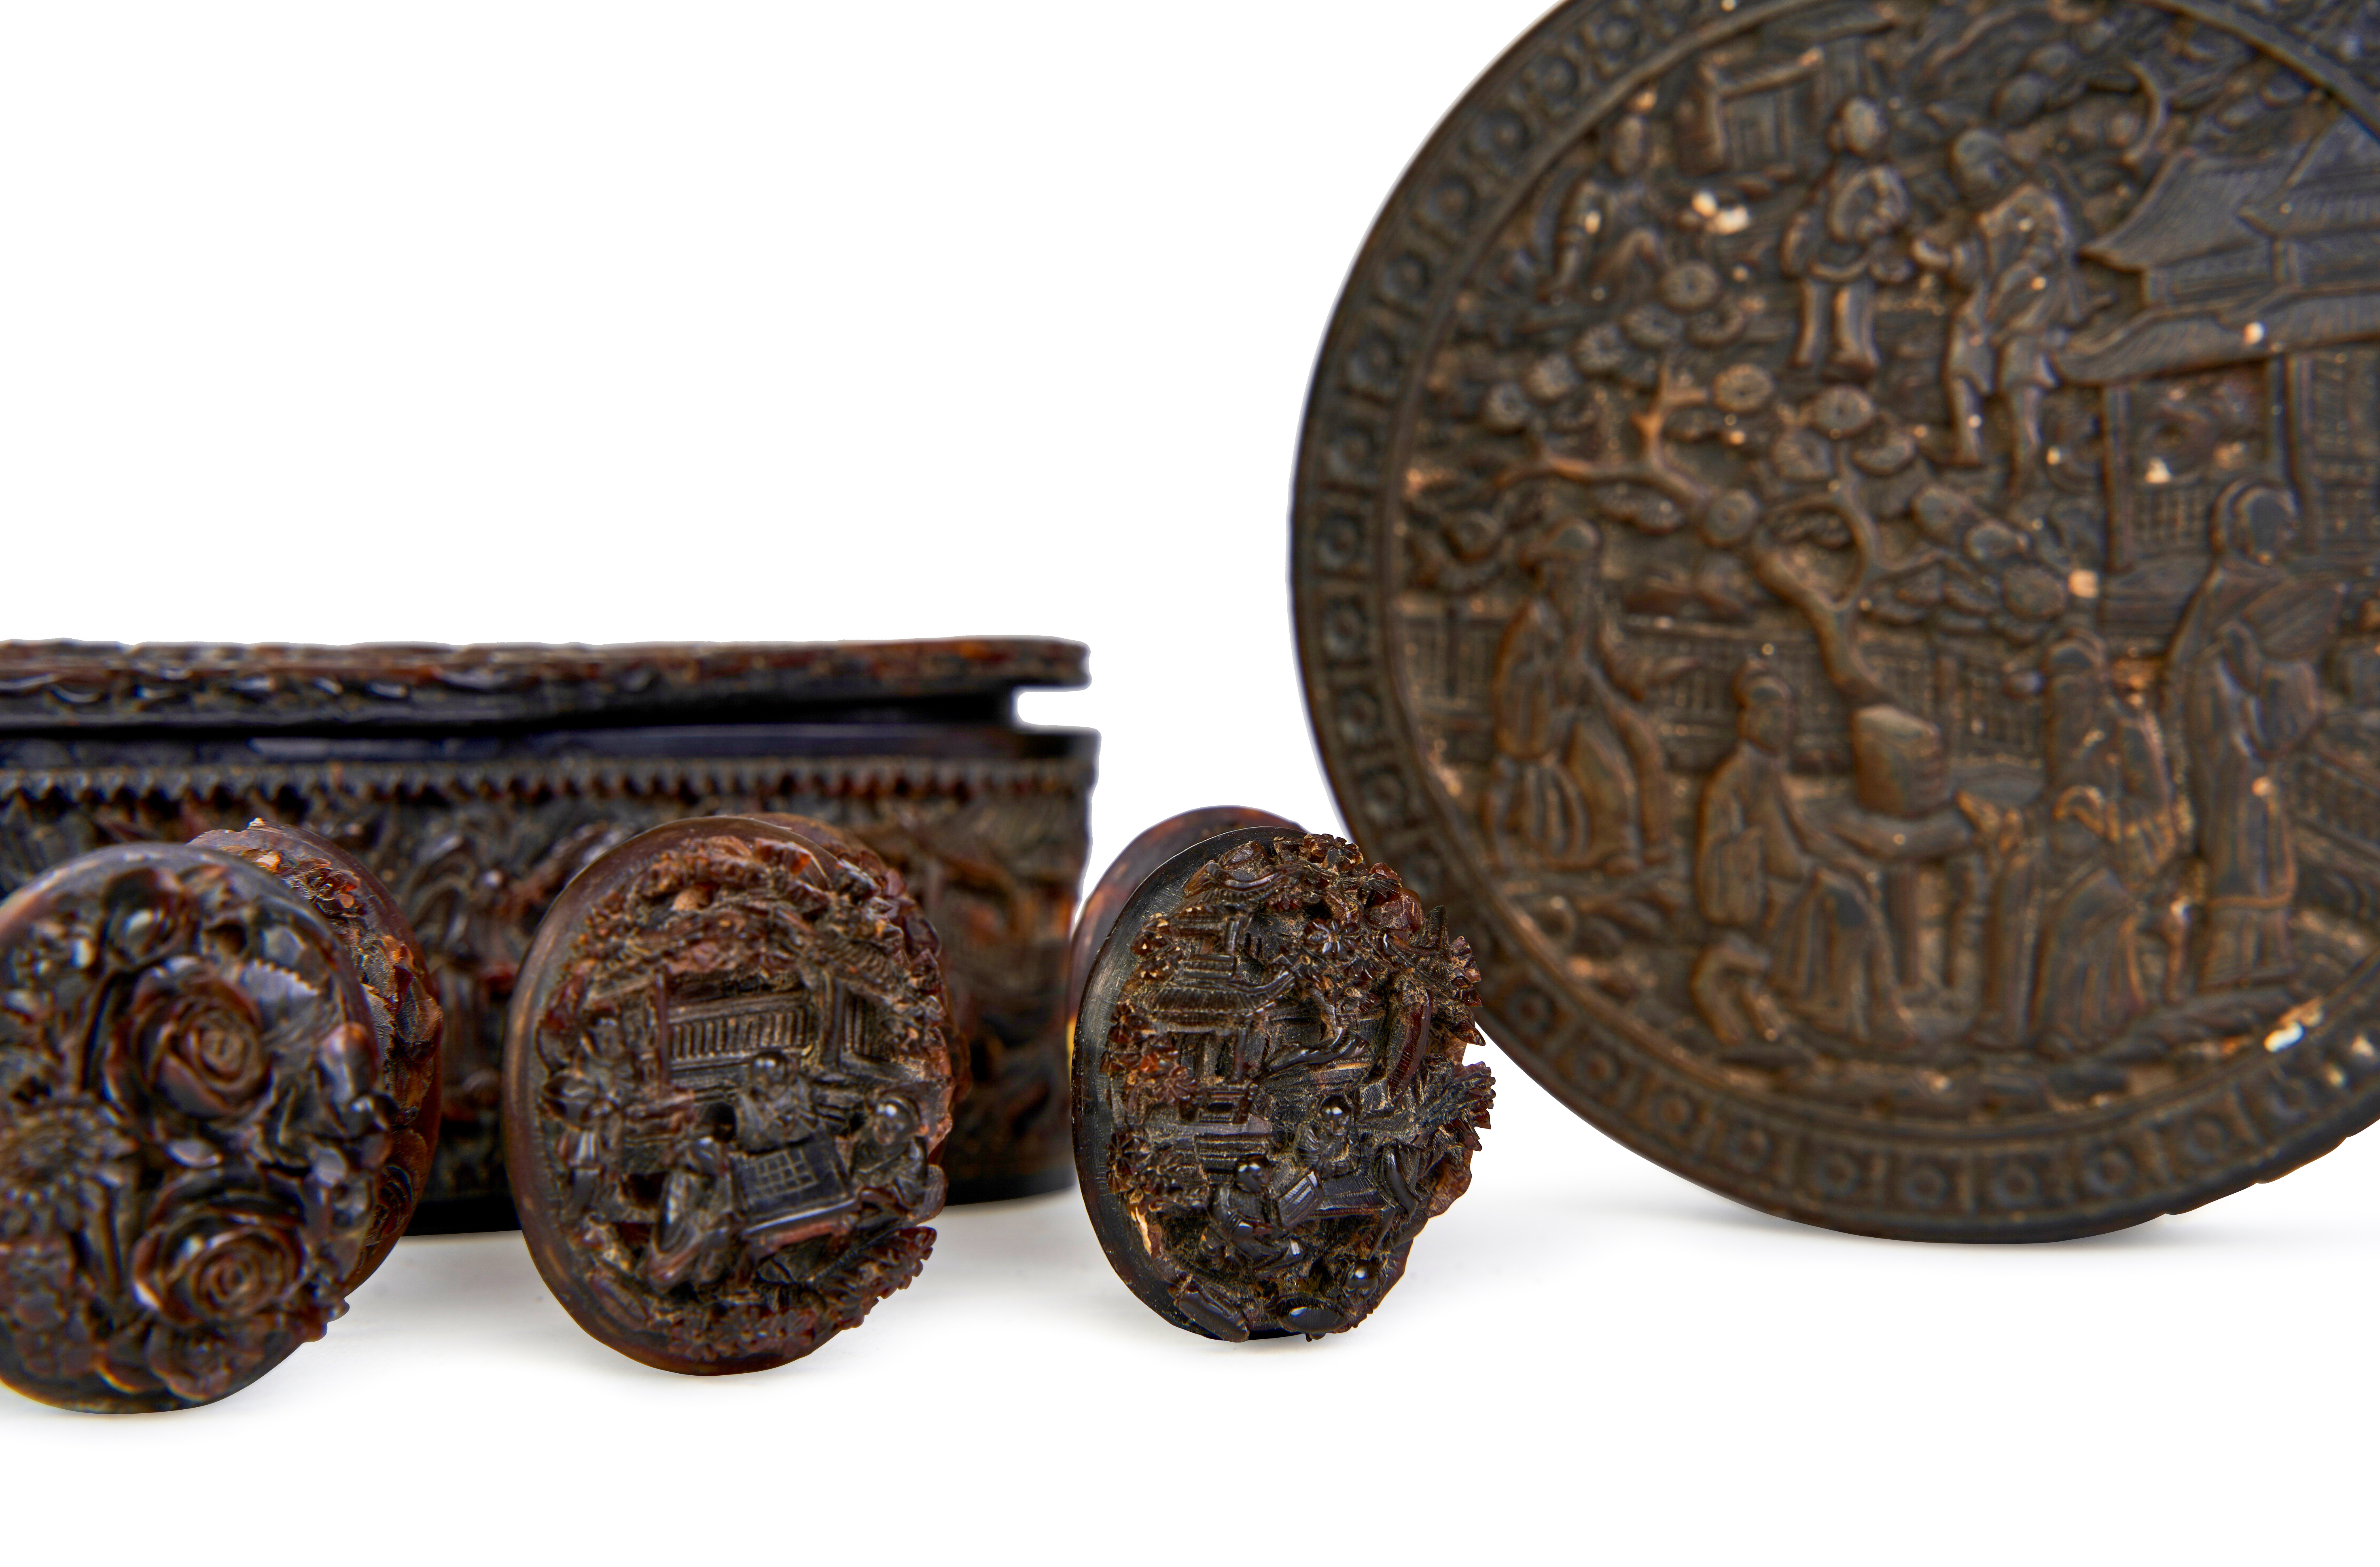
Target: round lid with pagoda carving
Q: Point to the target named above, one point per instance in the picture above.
(727, 1072)
(1270, 1094)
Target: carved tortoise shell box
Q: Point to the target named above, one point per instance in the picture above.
(477, 780)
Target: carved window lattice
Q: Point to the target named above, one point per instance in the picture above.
(2340, 802)
(2172, 518)
(1996, 722)
(709, 1042)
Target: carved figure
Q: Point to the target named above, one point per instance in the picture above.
(1243, 1191)
(589, 1098)
(1841, 244)
(774, 1107)
(2240, 678)
(2252, 529)
(2111, 835)
(2023, 298)
(1608, 219)
(1326, 1145)
(889, 1158)
(2247, 712)
(1795, 903)
(1246, 1234)
(695, 1242)
(1579, 774)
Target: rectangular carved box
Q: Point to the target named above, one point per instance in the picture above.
(477, 780)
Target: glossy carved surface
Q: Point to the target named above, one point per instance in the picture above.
(192, 1139)
(1136, 864)
(408, 1026)
(727, 1070)
(1271, 1095)
(996, 878)
(1841, 538)
(478, 814)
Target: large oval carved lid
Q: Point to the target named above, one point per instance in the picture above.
(1839, 538)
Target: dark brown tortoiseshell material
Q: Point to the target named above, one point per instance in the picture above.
(1270, 1093)
(726, 1074)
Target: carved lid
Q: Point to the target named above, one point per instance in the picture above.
(84, 685)
(763, 1004)
(1270, 1097)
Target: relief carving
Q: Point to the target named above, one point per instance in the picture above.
(727, 1072)
(1280, 1098)
(408, 1024)
(1874, 530)
(1840, 463)
(160, 685)
(475, 855)
(191, 1134)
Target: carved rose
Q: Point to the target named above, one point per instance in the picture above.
(226, 1276)
(220, 1269)
(192, 1037)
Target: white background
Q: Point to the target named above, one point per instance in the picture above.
(496, 321)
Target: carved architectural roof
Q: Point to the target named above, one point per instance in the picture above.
(2335, 186)
(2193, 208)
(2318, 206)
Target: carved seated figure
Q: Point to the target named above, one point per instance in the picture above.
(1326, 1143)
(888, 1161)
(698, 1217)
(1578, 781)
(1792, 917)
(774, 1107)
(1244, 1223)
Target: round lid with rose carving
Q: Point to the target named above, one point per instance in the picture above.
(192, 1135)
(1270, 1089)
(727, 1071)
(1842, 540)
